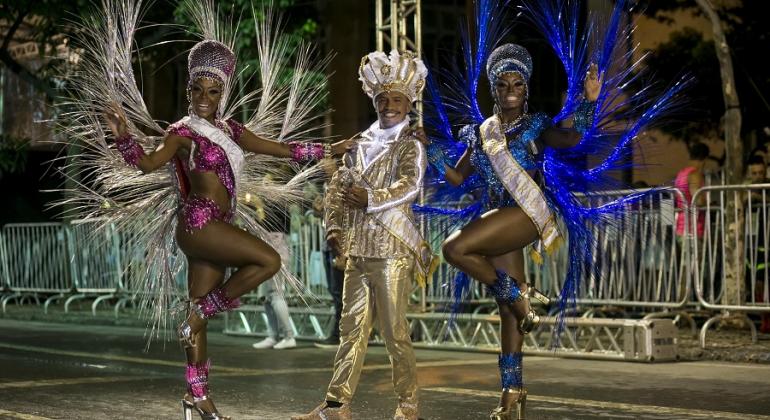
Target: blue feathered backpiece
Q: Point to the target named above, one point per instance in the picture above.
(613, 124)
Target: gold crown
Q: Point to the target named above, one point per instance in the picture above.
(397, 72)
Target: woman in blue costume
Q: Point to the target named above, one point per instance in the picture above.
(532, 172)
(504, 150)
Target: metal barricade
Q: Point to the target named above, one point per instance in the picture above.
(750, 228)
(37, 261)
(637, 260)
(300, 243)
(709, 248)
(4, 276)
(132, 254)
(312, 267)
(96, 264)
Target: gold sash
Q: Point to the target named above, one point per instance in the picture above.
(398, 224)
(522, 188)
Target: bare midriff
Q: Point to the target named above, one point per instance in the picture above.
(206, 184)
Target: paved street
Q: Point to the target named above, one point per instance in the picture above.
(65, 371)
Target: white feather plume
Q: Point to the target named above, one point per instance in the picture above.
(142, 207)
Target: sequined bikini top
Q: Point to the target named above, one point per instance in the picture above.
(206, 156)
(521, 146)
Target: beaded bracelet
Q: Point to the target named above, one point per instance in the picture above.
(128, 147)
(437, 158)
(306, 152)
(584, 115)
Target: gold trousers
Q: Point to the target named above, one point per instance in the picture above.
(375, 288)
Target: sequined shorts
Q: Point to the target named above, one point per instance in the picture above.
(499, 200)
(197, 212)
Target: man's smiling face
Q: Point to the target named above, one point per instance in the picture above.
(392, 108)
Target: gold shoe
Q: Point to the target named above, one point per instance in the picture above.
(188, 407)
(406, 411)
(538, 295)
(324, 412)
(531, 320)
(517, 407)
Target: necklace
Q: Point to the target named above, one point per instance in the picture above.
(512, 125)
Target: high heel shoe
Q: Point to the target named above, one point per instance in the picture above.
(214, 302)
(184, 332)
(517, 407)
(538, 295)
(531, 320)
(188, 407)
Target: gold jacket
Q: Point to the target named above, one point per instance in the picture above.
(393, 180)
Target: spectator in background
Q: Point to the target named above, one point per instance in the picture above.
(756, 169)
(688, 181)
(764, 143)
(757, 255)
(756, 173)
(334, 265)
(277, 311)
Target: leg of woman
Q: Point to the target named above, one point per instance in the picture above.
(511, 341)
(512, 264)
(202, 277)
(496, 233)
(511, 337)
(225, 245)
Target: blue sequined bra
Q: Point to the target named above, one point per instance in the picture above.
(522, 148)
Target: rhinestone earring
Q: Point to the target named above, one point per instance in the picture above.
(189, 102)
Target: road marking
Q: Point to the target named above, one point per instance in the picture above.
(72, 381)
(737, 365)
(635, 408)
(21, 415)
(231, 371)
(71, 353)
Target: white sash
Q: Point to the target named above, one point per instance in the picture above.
(233, 151)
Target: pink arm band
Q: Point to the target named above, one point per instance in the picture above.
(306, 152)
(131, 150)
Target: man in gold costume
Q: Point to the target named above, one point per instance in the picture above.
(369, 219)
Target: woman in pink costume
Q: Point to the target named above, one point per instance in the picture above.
(210, 158)
(206, 149)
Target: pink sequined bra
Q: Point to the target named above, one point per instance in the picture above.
(206, 156)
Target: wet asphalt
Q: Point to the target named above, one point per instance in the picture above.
(80, 371)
